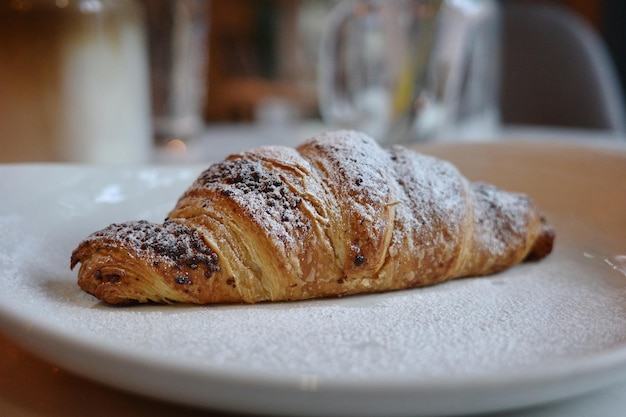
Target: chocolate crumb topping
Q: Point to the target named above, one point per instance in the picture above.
(183, 246)
(182, 280)
(249, 180)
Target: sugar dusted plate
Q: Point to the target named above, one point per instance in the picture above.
(536, 333)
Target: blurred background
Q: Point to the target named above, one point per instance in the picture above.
(266, 50)
(263, 49)
(166, 73)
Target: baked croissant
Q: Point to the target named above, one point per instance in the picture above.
(339, 215)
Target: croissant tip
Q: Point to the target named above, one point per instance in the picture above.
(74, 261)
(543, 244)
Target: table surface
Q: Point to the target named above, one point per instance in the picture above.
(31, 387)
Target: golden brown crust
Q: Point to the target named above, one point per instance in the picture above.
(337, 216)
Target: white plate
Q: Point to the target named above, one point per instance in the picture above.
(536, 333)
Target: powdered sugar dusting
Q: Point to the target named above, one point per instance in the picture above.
(362, 170)
(359, 174)
(436, 187)
(261, 193)
(500, 218)
(433, 205)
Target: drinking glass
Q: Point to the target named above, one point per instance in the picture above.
(178, 50)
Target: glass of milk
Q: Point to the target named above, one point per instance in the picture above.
(74, 82)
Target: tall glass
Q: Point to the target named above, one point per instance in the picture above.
(178, 46)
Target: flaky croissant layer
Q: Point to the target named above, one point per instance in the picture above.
(339, 215)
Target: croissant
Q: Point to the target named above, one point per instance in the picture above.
(339, 215)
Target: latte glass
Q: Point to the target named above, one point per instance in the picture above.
(73, 82)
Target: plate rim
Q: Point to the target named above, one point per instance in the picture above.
(351, 397)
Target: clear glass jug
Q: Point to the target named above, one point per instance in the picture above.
(411, 70)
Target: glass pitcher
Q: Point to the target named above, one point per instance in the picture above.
(411, 70)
